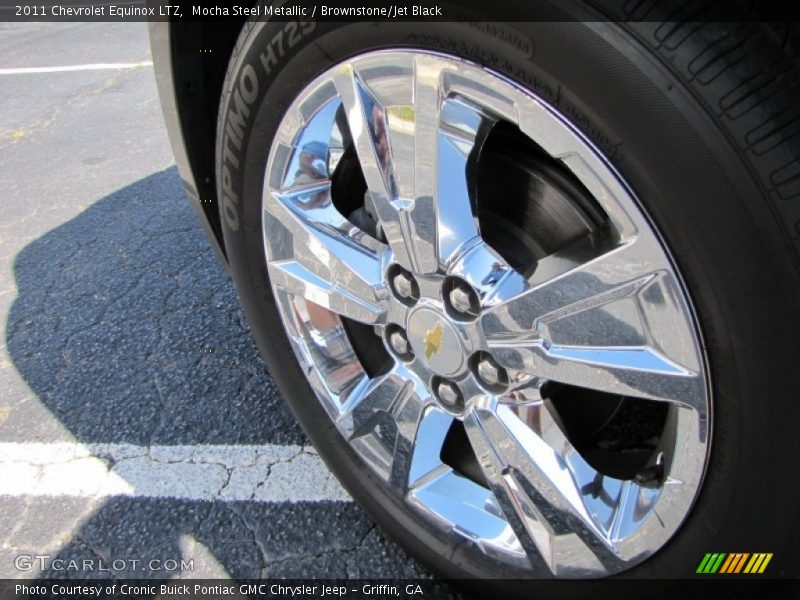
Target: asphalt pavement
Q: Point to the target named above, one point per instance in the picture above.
(137, 421)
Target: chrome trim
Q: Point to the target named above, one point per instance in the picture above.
(610, 314)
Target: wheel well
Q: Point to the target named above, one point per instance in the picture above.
(200, 56)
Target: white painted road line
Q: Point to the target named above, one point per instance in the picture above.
(69, 68)
(268, 473)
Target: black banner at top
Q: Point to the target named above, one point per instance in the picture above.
(773, 11)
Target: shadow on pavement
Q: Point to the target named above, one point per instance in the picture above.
(129, 332)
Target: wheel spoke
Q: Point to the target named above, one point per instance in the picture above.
(413, 146)
(574, 280)
(526, 465)
(637, 372)
(396, 397)
(408, 417)
(463, 131)
(383, 144)
(322, 263)
(488, 273)
(613, 323)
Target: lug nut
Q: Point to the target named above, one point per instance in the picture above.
(491, 373)
(460, 299)
(448, 393)
(403, 284)
(399, 342)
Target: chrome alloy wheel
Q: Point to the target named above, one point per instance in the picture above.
(461, 353)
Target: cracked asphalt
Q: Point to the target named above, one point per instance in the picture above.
(137, 420)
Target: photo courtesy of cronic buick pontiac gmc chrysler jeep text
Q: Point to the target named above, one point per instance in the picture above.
(530, 288)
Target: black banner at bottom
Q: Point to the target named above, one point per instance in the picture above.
(405, 589)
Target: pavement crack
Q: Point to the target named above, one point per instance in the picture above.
(262, 551)
(229, 471)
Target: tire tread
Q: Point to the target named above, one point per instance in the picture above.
(746, 73)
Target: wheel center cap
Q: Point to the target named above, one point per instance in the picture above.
(435, 341)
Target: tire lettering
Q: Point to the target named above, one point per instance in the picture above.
(230, 212)
(268, 59)
(291, 33)
(279, 45)
(228, 155)
(248, 84)
(242, 98)
(230, 200)
(239, 111)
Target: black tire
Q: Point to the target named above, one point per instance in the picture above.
(702, 120)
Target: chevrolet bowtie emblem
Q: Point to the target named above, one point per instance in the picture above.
(433, 340)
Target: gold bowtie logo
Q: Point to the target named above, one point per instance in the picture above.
(433, 340)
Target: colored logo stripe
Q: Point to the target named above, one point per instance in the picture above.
(732, 558)
(711, 562)
(758, 563)
(733, 563)
(703, 563)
